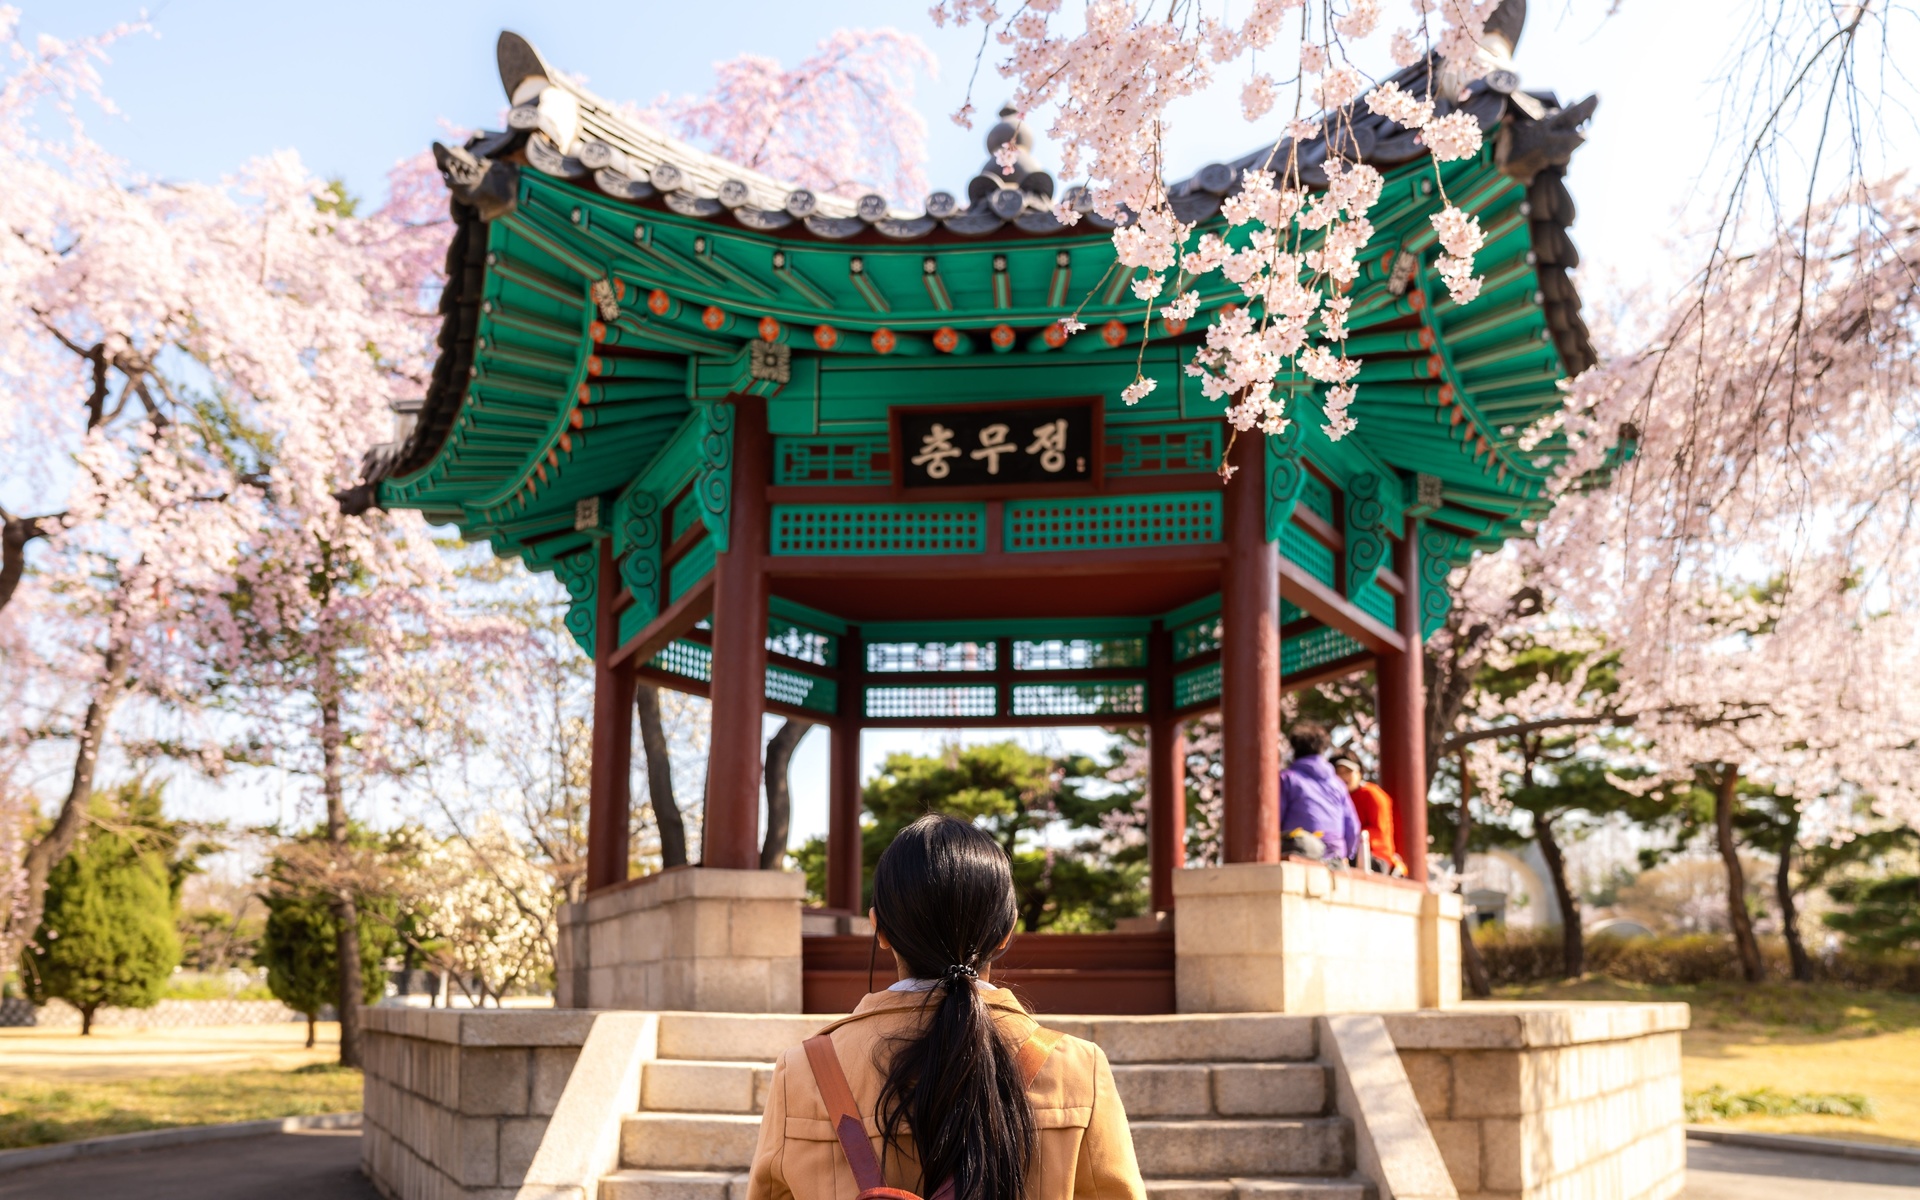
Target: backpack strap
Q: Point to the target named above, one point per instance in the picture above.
(844, 1113)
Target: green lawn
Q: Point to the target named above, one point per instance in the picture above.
(1788, 1046)
(37, 1111)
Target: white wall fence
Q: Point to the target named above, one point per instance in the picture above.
(168, 1014)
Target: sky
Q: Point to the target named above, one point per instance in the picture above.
(356, 86)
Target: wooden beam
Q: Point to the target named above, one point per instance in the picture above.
(609, 776)
(1250, 667)
(1318, 600)
(846, 866)
(1166, 774)
(731, 838)
(679, 617)
(1400, 690)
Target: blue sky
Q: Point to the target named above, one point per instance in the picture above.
(354, 86)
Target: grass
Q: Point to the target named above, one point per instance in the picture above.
(34, 1112)
(1788, 1058)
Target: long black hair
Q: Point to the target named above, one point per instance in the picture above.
(943, 895)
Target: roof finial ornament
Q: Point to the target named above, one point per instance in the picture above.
(1011, 167)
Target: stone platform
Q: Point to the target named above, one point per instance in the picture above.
(1476, 1102)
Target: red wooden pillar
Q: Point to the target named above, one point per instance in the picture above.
(608, 781)
(732, 835)
(1401, 691)
(845, 866)
(1250, 664)
(1166, 773)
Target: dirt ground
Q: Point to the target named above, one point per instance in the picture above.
(116, 1054)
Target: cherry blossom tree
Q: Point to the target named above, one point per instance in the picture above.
(841, 121)
(1753, 563)
(483, 910)
(191, 372)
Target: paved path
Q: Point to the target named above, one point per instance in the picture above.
(1717, 1172)
(283, 1166)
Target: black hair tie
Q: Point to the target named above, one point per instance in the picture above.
(959, 974)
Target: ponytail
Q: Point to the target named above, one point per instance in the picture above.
(943, 895)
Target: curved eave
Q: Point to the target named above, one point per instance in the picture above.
(502, 448)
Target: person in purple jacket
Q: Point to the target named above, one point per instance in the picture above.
(1315, 811)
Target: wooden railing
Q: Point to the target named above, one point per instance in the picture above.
(1050, 972)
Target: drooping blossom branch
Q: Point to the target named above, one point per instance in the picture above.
(1110, 86)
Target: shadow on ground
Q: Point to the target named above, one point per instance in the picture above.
(314, 1165)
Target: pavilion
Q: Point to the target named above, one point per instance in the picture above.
(820, 457)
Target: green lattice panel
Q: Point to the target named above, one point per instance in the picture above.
(854, 459)
(1317, 496)
(688, 569)
(933, 702)
(1290, 612)
(879, 529)
(689, 659)
(1197, 685)
(1079, 699)
(1079, 654)
(1376, 602)
(1164, 449)
(1314, 649)
(802, 691)
(1196, 639)
(1298, 545)
(1113, 522)
(889, 658)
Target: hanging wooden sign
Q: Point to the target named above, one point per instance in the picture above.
(1045, 445)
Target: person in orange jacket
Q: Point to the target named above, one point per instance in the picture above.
(1375, 809)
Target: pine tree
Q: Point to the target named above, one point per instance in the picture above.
(106, 934)
(300, 945)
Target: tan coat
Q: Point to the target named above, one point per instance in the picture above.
(1085, 1148)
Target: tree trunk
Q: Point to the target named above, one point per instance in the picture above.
(666, 812)
(311, 1020)
(779, 797)
(47, 851)
(15, 533)
(1573, 948)
(1789, 914)
(86, 1021)
(1726, 797)
(1472, 965)
(346, 907)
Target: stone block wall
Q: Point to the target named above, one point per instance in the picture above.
(701, 940)
(456, 1102)
(1551, 1102)
(1297, 937)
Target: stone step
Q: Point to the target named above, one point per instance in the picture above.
(1147, 1089)
(1344, 1188)
(705, 1086)
(644, 1184)
(1203, 1148)
(1222, 1089)
(735, 1037)
(636, 1184)
(1194, 1038)
(1209, 1148)
(689, 1141)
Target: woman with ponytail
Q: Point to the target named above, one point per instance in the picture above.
(943, 1086)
